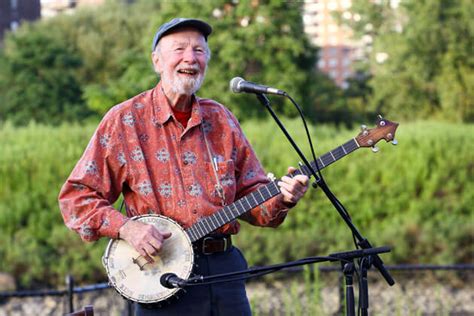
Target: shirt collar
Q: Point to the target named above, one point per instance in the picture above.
(162, 111)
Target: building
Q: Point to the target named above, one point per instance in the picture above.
(50, 8)
(338, 50)
(13, 12)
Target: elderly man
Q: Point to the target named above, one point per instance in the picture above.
(172, 153)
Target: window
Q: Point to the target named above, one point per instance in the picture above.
(346, 62)
(14, 25)
(332, 51)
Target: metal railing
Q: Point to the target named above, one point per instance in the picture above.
(71, 289)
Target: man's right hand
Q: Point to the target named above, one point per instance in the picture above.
(145, 238)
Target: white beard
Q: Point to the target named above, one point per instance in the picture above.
(183, 86)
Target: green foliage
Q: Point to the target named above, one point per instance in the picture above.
(97, 58)
(429, 69)
(36, 248)
(267, 44)
(39, 80)
(116, 57)
(416, 197)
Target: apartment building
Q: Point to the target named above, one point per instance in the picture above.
(50, 8)
(337, 48)
(13, 12)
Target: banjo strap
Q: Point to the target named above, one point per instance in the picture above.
(218, 187)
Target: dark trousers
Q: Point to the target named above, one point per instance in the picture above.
(220, 299)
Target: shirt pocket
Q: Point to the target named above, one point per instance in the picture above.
(226, 173)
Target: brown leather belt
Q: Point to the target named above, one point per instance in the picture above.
(213, 244)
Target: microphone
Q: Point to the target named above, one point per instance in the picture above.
(171, 280)
(238, 85)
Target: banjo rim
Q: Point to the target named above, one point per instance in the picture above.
(170, 292)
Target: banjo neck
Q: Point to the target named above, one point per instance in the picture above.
(232, 211)
(385, 129)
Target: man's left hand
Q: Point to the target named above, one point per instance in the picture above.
(293, 189)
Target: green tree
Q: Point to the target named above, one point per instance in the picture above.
(39, 80)
(115, 55)
(108, 57)
(264, 43)
(260, 41)
(421, 58)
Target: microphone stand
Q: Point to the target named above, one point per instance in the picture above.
(345, 258)
(361, 241)
(348, 270)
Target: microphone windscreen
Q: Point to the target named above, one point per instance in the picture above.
(234, 84)
(166, 278)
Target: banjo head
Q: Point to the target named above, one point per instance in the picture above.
(139, 281)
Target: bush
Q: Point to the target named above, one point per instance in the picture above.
(416, 197)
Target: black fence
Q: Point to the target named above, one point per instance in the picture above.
(72, 290)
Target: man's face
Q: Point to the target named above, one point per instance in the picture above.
(181, 60)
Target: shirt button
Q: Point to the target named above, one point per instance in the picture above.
(195, 211)
(186, 162)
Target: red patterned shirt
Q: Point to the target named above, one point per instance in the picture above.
(141, 150)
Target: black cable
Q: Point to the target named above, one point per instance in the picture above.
(322, 183)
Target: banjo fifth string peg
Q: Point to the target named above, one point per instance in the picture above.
(271, 176)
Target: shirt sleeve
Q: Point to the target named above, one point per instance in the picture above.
(250, 176)
(94, 185)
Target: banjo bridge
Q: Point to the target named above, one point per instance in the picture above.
(140, 261)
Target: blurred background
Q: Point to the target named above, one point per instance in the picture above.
(64, 64)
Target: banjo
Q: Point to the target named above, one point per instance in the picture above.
(139, 281)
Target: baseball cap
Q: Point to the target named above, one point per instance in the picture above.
(165, 28)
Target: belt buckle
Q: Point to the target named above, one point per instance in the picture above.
(203, 250)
